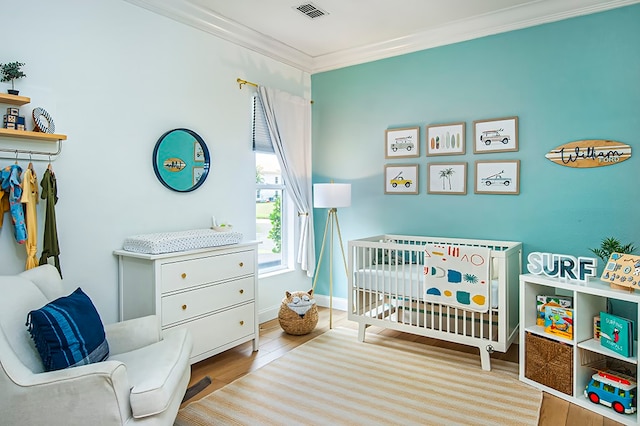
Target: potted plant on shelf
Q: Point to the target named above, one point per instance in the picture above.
(10, 72)
(612, 245)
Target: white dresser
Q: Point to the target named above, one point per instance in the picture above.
(212, 292)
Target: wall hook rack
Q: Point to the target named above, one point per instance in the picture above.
(31, 153)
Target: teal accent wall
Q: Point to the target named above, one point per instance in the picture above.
(566, 81)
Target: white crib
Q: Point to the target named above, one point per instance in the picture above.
(386, 289)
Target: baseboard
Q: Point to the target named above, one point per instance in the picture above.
(268, 314)
(338, 303)
(271, 312)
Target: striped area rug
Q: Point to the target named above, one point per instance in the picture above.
(336, 380)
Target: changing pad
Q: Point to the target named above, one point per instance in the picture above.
(168, 242)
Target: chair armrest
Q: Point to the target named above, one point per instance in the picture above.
(88, 392)
(132, 334)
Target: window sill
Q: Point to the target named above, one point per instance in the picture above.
(275, 273)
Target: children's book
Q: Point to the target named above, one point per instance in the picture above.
(542, 301)
(559, 321)
(616, 334)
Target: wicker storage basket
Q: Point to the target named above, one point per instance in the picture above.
(293, 323)
(549, 362)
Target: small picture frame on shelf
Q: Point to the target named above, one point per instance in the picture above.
(495, 135)
(445, 139)
(401, 179)
(198, 152)
(497, 177)
(447, 178)
(402, 143)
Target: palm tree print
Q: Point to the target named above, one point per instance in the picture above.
(445, 174)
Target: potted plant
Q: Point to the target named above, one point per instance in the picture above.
(612, 245)
(10, 72)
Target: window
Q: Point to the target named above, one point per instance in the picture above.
(273, 221)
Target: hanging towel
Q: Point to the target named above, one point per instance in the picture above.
(457, 276)
(50, 246)
(30, 200)
(10, 184)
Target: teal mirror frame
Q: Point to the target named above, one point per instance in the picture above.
(181, 160)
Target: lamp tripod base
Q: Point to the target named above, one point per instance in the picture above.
(331, 224)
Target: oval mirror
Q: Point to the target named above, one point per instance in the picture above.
(181, 160)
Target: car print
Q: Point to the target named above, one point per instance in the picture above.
(403, 143)
(496, 179)
(401, 181)
(489, 136)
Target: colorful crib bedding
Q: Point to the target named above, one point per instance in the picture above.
(457, 276)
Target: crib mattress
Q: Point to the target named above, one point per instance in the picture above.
(402, 283)
(169, 242)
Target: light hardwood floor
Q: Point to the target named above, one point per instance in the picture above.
(230, 365)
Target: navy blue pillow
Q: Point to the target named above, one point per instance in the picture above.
(68, 332)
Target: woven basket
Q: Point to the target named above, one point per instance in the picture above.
(549, 362)
(292, 323)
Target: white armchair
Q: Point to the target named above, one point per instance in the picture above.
(141, 383)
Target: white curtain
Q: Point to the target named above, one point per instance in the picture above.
(289, 122)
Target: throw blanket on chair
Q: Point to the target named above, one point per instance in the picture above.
(457, 276)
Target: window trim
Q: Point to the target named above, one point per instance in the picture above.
(286, 226)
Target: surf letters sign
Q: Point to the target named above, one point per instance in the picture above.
(590, 153)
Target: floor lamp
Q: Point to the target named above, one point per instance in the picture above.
(331, 196)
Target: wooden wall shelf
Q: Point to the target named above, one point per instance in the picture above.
(6, 98)
(25, 134)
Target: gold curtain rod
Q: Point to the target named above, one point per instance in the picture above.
(241, 82)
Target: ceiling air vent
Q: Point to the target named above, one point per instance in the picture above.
(310, 10)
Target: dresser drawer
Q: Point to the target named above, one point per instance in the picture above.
(220, 329)
(188, 273)
(189, 304)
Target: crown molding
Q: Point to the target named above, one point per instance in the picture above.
(510, 19)
(515, 18)
(206, 20)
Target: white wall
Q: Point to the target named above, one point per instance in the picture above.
(114, 78)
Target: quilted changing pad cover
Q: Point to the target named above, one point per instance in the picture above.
(169, 242)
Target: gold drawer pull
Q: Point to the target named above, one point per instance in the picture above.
(184, 307)
(241, 291)
(241, 264)
(241, 322)
(184, 275)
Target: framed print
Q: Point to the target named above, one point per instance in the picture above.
(447, 178)
(198, 152)
(401, 179)
(445, 139)
(198, 172)
(498, 177)
(402, 143)
(497, 135)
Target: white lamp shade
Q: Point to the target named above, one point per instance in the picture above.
(331, 195)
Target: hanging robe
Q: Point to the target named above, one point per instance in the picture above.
(11, 185)
(30, 201)
(50, 246)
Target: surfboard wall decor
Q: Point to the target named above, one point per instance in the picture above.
(174, 164)
(590, 153)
